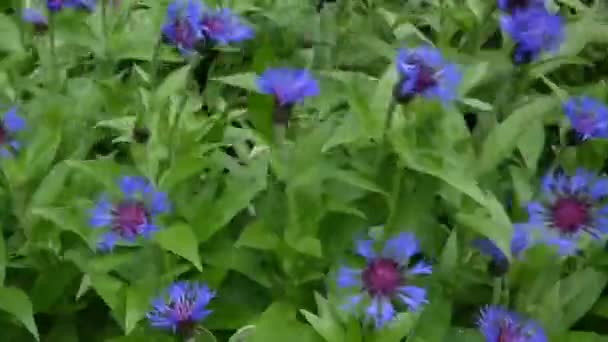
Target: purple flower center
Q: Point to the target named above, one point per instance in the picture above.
(54, 4)
(184, 33)
(130, 219)
(382, 277)
(183, 310)
(426, 78)
(585, 123)
(507, 332)
(4, 134)
(570, 214)
(213, 24)
(517, 4)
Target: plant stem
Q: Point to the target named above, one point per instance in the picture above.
(104, 25)
(19, 7)
(388, 121)
(496, 290)
(154, 63)
(52, 46)
(396, 187)
(203, 68)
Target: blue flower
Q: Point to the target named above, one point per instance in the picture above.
(519, 243)
(511, 6)
(224, 27)
(384, 280)
(289, 86)
(588, 117)
(534, 31)
(424, 72)
(55, 5)
(570, 207)
(87, 5)
(132, 216)
(183, 305)
(498, 324)
(36, 18)
(182, 26)
(11, 124)
(58, 5)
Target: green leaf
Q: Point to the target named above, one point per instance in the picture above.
(477, 104)
(382, 98)
(187, 164)
(348, 131)
(532, 143)
(397, 329)
(449, 255)
(326, 324)
(261, 109)
(434, 321)
(17, 303)
(279, 324)
(246, 80)
(473, 75)
(238, 193)
(223, 254)
(9, 35)
(103, 171)
(258, 235)
(355, 179)
(244, 334)
(203, 335)
(41, 152)
(109, 289)
(501, 235)
(64, 219)
(173, 84)
(578, 293)
(3, 258)
(181, 240)
(51, 186)
(458, 334)
(503, 138)
(51, 285)
(137, 305)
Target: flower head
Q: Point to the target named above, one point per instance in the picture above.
(500, 264)
(512, 6)
(588, 117)
(10, 125)
(55, 5)
(224, 27)
(36, 18)
(181, 27)
(499, 325)
(58, 5)
(424, 72)
(534, 31)
(570, 207)
(87, 5)
(385, 279)
(181, 307)
(132, 216)
(289, 86)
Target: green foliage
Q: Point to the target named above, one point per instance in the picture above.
(265, 214)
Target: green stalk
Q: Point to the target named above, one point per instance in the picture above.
(52, 46)
(104, 26)
(496, 290)
(395, 194)
(155, 63)
(388, 121)
(19, 7)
